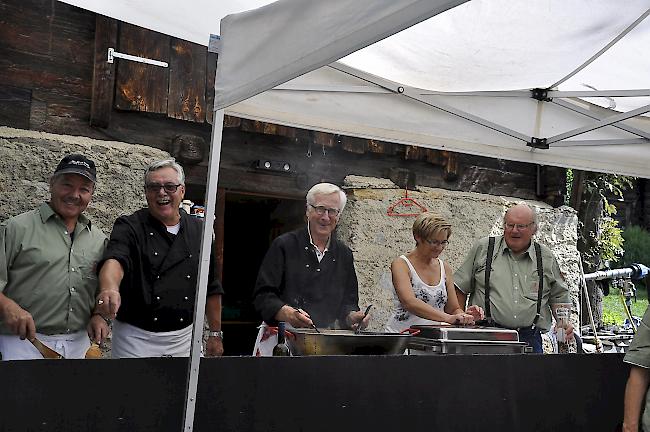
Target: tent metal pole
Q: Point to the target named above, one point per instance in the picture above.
(593, 115)
(204, 267)
(574, 143)
(598, 93)
(414, 94)
(604, 49)
(597, 125)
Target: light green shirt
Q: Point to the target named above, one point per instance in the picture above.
(638, 354)
(514, 283)
(48, 274)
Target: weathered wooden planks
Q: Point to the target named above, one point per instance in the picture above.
(142, 87)
(187, 80)
(103, 72)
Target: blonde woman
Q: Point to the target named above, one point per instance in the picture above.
(424, 283)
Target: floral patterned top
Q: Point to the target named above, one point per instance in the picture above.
(435, 296)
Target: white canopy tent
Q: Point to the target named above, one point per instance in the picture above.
(459, 81)
(460, 77)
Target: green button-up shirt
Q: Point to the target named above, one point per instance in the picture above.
(48, 274)
(514, 283)
(638, 354)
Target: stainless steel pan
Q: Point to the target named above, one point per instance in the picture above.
(307, 342)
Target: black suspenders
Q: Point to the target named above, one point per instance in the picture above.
(488, 270)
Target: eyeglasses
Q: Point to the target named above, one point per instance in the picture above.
(520, 227)
(320, 211)
(155, 187)
(443, 243)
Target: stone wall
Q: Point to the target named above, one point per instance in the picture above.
(28, 159)
(376, 238)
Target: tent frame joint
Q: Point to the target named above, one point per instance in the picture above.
(540, 94)
(538, 143)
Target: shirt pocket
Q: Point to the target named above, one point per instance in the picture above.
(531, 286)
(87, 265)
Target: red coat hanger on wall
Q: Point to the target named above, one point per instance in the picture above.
(405, 206)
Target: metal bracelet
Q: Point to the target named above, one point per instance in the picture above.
(216, 333)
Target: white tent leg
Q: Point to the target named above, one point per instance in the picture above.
(204, 267)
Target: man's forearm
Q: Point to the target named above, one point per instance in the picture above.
(213, 312)
(111, 275)
(635, 390)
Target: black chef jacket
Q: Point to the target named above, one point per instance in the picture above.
(160, 270)
(291, 274)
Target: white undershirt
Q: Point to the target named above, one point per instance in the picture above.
(174, 228)
(319, 254)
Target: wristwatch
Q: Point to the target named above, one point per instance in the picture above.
(217, 334)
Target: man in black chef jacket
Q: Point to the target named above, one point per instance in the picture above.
(148, 275)
(307, 276)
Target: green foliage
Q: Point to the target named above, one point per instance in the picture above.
(637, 246)
(608, 236)
(610, 242)
(614, 311)
(569, 186)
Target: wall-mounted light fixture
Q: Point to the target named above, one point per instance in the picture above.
(275, 166)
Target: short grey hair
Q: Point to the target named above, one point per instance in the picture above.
(326, 189)
(532, 209)
(167, 163)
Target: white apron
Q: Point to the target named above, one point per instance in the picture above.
(133, 342)
(70, 346)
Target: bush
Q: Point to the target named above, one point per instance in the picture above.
(637, 246)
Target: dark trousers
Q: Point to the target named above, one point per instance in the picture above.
(533, 337)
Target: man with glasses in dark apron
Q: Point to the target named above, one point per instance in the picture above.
(501, 275)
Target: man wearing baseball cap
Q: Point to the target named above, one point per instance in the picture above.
(47, 270)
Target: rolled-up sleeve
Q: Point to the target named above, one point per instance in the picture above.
(638, 353)
(464, 275)
(559, 290)
(120, 245)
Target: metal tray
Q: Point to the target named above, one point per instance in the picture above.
(424, 346)
(468, 333)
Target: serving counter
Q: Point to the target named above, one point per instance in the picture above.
(335, 393)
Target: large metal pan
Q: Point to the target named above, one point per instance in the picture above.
(307, 342)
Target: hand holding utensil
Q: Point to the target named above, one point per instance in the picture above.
(312, 325)
(365, 314)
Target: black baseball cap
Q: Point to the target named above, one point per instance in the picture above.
(77, 164)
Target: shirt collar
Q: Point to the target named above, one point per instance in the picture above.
(311, 241)
(530, 251)
(47, 212)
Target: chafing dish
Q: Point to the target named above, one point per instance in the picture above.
(447, 339)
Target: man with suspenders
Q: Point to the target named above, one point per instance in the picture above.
(501, 275)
